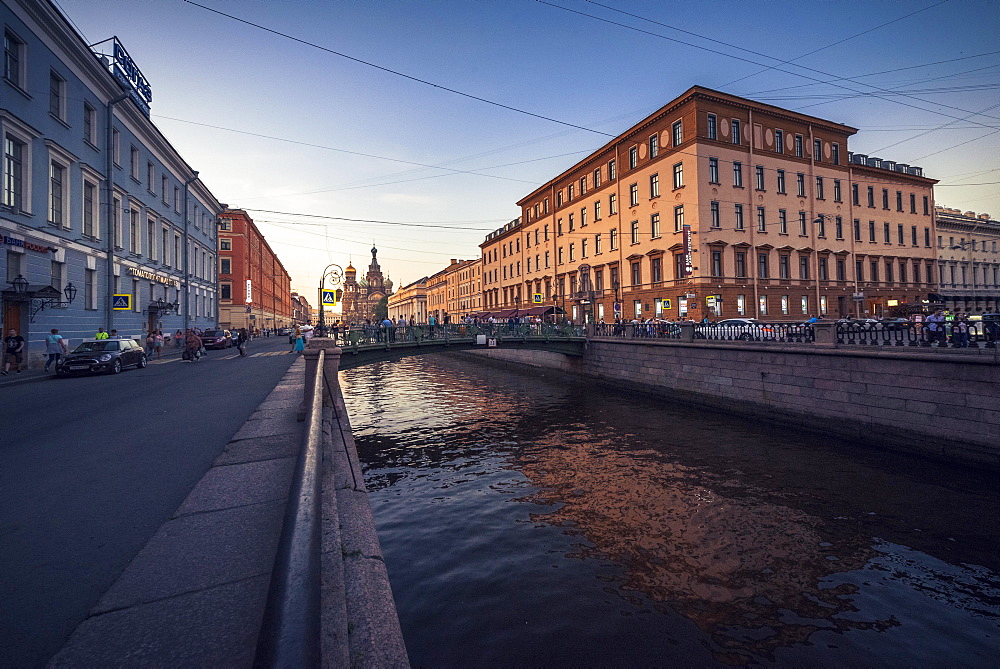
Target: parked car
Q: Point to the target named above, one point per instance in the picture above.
(742, 328)
(284, 332)
(102, 355)
(216, 339)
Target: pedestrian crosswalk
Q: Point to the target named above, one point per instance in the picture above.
(262, 354)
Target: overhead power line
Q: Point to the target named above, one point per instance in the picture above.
(367, 220)
(399, 74)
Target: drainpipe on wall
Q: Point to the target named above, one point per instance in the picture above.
(187, 245)
(109, 188)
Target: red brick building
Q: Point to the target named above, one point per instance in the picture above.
(254, 288)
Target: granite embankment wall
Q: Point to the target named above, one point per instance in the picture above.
(938, 403)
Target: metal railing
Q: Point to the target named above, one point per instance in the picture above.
(369, 335)
(290, 631)
(887, 333)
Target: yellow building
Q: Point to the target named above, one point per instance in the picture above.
(719, 206)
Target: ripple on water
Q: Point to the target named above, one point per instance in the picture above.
(527, 521)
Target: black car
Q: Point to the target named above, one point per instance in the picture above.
(217, 339)
(102, 355)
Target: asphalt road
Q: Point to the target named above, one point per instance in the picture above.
(90, 467)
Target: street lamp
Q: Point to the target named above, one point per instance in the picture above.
(20, 285)
(39, 300)
(335, 273)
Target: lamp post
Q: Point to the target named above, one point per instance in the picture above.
(335, 273)
(49, 296)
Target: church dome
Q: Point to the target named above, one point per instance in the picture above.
(350, 269)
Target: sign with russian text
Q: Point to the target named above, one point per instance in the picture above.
(144, 274)
(249, 292)
(121, 302)
(688, 251)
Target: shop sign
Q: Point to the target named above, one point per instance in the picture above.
(31, 246)
(145, 274)
(249, 299)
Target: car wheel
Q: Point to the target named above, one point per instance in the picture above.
(116, 368)
(142, 362)
(744, 337)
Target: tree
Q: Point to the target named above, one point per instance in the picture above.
(382, 309)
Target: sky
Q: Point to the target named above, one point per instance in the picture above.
(425, 121)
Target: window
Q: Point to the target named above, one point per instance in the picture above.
(783, 266)
(739, 216)
(841, 269)
(559, 232)
(89, 124)
(836, 190)
(885, 198)
(225, 266)
(656, 269)
(779, 141)
(761, 220)
(817, 150)
(871, 231)
(901, 236)
(716, 263)
(781, 182)
(783, 221)
(89, 205)
(583, 249)
(633, 157)
(151, 239)
(713, 127)
(678, 218)
(927, 238)
(855, 197)
(164, 188)
(803, 224)
(738, 174)
(636, 268)
(859, 270)
(927, 210)
(885, 233)
(226, 291)
(572, 255)
(635, 232)
(654, 225)
(597, 244)
(613, 238)
(741, 264)
(871, 197)
(134, 244)
(839, 221)
(13, 173)
(736, 132)
(177, 199)
(56, 275)
(716, 219)
(13, 59)
(759, 175)
(741, 305)
(913, 203)
(836, 153)
(713, 170)
(654, 185)
(57, 198)
(680, 266)
(633, 195)
(899, 201)
(597, 210)
(612, 174)
(677, 132)
(874, 271)
(572, 225)
(583, 217)
(804, 268)
(913, 236)
(798, 146)
(819, 188)
(800, 184)
(165, 245)
(824, 272)
(762, 266)
(134, 165)
(225, 245)
(57, 96)
(90, 289)
(569, 193)
(613, 204)
(559, 198)
(583, 186)
(654, 145)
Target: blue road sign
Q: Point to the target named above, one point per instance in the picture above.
(330, 298)
(122, 302)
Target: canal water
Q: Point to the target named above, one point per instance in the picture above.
(528, 519)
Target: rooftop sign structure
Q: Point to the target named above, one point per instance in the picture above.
(124, 69)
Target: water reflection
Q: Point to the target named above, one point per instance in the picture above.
(775, 545)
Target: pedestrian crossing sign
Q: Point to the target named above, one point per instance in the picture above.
(329, 298)
(122, 302)
(536, 298)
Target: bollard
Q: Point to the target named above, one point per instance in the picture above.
(687, 331)
(331, 365)
(825, 334)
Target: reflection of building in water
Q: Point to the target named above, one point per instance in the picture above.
(745, 570)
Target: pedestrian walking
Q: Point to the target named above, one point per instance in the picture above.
(150, 341)
(242, 338)
(55, 346)
(13, 351)
(192, 346)
(101, 334)
(158, 343)
(178, 338)
(300, 342)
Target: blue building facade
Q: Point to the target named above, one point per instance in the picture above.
(96, 205)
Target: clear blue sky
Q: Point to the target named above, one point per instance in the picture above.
(604, 75)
